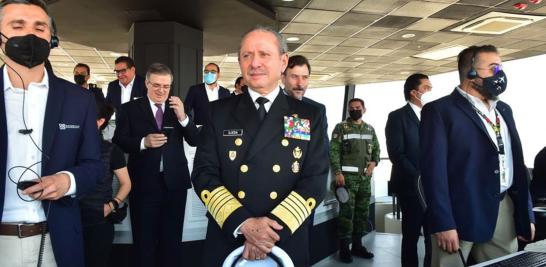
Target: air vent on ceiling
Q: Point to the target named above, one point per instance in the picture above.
(497, 23)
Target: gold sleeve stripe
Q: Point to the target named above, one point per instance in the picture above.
(218, 198)
(288, 218)
(288, 203)
(300, 206)
(220, 204)
(293, 210)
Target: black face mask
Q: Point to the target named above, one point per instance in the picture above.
(79, 79)
(492, 86)
(29, 50)
(355, 114)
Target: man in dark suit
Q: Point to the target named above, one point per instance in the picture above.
(240, 86)
(128, 86)
(199, 95)
(151, 130)
(402, 132)
(55, 144)
(263, 168)
(472, 166)
(82, 73)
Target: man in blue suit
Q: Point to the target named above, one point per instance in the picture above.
(199, 95)
(402, 132)
(128, 86)
(472, 166)
(48, 134)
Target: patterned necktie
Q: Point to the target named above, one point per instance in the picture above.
(261, 110)
(159, 116)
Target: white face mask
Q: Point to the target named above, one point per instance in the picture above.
(426, 98)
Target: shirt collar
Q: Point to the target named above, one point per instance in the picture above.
(476, 102)
(213, 89)
(271, 96)
(44, 83)
(152, 103)
(129, 84)
(415, 108)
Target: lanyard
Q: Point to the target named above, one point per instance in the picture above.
(496, 128)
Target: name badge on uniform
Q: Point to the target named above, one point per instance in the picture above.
(233, 132)
(297, 128)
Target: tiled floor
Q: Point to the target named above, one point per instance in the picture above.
(386, 248)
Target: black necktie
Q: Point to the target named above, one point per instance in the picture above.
(261, 110)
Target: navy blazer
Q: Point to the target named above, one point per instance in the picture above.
(74, 149)
(113, 95)
(402, 132)
(460, 171)
(134, 121)
(197, 102)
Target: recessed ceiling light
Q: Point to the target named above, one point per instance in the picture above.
(404, 72)
(288, 0)
(293, 39)
(442, 53)
(359, 58)
(114, 54)
(408, 35)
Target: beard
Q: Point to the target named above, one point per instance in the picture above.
(483, 92)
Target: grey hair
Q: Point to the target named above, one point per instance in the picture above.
(158, 69)
(283, 46)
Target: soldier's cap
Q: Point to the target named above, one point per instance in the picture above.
(342, 194)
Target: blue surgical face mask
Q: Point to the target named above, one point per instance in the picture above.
(210, 78)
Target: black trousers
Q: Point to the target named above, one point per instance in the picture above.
(413, 217)
(97, 239)
(157, 219)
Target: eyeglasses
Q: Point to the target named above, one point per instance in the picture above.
(122, 71)
(157, 86)
(495, 68)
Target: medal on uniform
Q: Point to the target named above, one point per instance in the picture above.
(238, 142)
(297, 153)
(297, 128)
(232, 155)
(295, 167)
(370, 148)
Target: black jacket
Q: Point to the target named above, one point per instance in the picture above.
(197, 102)
(135, 120)
(113, 95)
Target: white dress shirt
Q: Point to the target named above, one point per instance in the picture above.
(22, 151)
(506, 162)
(212, 93)
(126, 91)
(416, 109)
(271, 97)
(184, 123)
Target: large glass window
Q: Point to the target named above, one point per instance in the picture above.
(525, 94)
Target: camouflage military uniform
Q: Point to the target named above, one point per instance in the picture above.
(352, 147)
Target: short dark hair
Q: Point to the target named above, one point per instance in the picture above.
(357, 100)
(238, 80)
(39, 3)
(412, 82)
(127, 60)
(466, 58)
(216, 65)
(159, 69)
(83, 65)
(297, 60)
(104, 110)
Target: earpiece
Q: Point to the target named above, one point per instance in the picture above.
(54, 39)
(472, 74)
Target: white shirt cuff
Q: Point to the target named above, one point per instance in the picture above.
(142, 146)
(184, 122)
(72, 189)
(237, 231)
